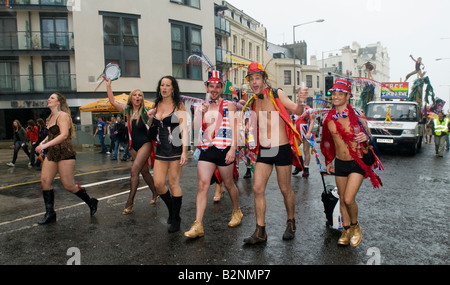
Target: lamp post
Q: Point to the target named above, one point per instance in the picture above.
(293, 52)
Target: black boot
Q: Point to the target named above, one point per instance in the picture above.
(306, 172)
(49, 201)
(176, 219)
(167, 198)
(248, 174)
(91, 202)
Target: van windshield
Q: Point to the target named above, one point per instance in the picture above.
(399, 112)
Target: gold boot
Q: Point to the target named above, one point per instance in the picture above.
(345, 237)
(195, 231)
(356, 238)
(236, 218)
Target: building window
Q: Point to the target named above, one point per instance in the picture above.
(8, 32)
(243, 48)
(234, 45)
(250, 51)
(287, 77)
(309, 81)
(56, 73)
(9, 74)
(191, 3)
(121, 42)
(257, 53)
(186, 41)
(54, 31)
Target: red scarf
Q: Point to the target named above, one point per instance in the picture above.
(329, 151)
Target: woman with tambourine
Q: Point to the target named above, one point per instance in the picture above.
(139, 143)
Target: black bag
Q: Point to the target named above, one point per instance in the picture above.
(368, 156)
(328, 199)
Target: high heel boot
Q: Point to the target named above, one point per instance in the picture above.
(176, 219)
(49, 201)
(91, 202)
(167, 198)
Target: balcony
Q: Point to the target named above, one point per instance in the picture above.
(221, 56)
(59, 5)
(24, 84)
(222, 26)
(17, 43)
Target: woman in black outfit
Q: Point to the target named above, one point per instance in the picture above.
(140, 144)
(20, 141)
(169, 130)
(61, 157)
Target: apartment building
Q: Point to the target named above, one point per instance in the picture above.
(244, 43)
(64, 45)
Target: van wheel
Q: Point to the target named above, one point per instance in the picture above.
(413, 149)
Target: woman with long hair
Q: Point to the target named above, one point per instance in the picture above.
(169, 129)
(61, 157)
(140, 144)
(20, 142)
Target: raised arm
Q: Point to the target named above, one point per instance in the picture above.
(119, 106)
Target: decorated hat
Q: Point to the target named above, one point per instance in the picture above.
(214, 76)
(255, 67)
(342, 85)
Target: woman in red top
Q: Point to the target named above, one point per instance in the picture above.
(33, 136)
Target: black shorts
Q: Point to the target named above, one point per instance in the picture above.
(344, 168)
(280, 156)
(215, 155)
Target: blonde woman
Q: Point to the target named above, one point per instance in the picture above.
(61, 157)
(139, 142)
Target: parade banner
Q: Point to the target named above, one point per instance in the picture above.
(394, 90)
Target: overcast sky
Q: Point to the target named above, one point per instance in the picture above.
(404, 27)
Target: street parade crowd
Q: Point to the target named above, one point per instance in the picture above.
(265, 131)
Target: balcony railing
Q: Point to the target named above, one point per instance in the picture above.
(222, 26)
(18, 3)
(36, 41)
(16, 84)
(221, 56)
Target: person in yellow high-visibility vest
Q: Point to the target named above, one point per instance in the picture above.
(440, 130)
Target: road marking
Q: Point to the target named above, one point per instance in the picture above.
(79, 204)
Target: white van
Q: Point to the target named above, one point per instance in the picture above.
(404, 129)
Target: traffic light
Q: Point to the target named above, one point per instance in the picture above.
(329, 81)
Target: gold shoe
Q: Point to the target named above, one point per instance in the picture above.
(128, 210)
(217, 199)
(356, 238)
(236, 218)
(345, 237)
(153, 201)
(195, 231)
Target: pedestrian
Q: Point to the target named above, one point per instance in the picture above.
(218, 149)
(33, 137)
(440, 130)
(42, 130)
(275, 141)
(122, 139)
(344, 137)
(20, 142)
(305, 126)
(101, 131)
(140, 144)
(112, 137)
(168, 122)
(417, 69)
(428, 129)
(61, 157)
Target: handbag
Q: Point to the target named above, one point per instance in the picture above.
(368, 155)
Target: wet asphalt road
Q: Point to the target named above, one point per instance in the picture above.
(404, 223)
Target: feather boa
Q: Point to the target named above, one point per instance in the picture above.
(329, 151)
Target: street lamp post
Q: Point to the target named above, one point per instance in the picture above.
(293, 52)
